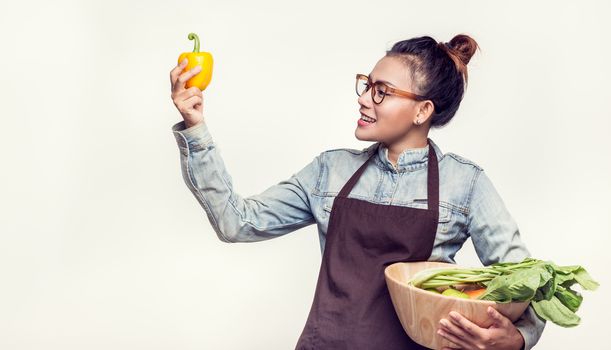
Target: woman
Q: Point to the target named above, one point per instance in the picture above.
(373, 207)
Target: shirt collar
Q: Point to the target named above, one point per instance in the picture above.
(409, 160)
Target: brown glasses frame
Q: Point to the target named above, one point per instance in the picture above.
(387, 90)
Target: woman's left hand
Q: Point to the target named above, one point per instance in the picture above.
(502, 334)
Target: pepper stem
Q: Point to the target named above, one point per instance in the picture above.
(193, 36)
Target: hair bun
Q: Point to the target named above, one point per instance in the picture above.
(463, 47)
(460, 49)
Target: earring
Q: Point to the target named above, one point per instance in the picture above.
(418, 120)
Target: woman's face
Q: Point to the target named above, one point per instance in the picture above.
(395, 116)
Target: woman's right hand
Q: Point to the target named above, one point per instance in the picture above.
(189, 102)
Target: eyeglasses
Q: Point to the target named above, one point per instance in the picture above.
(380, 90)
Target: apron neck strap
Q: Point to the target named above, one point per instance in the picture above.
(433, 180)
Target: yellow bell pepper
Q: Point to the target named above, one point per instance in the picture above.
(196, 58)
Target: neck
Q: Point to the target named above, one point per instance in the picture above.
(409, 142)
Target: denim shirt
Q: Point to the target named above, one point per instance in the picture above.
(469, 205)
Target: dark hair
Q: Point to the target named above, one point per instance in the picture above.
(438, 71)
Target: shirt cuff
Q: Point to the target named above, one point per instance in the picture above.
(194, 138)
(529, 342)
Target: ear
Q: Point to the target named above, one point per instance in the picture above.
(425, 110)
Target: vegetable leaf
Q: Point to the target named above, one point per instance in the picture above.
(553, 310)
(569, 298)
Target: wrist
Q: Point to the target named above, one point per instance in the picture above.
(192, 124)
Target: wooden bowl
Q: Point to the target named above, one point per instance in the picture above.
(420, 311)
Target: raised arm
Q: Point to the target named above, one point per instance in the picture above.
(280, 209)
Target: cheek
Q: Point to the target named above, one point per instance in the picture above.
(394, 116)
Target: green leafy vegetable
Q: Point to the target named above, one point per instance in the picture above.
(546, 285)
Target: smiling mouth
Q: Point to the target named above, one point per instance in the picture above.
(367, 119)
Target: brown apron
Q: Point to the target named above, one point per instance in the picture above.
(352, 308)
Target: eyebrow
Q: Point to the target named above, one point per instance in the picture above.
(383, 81)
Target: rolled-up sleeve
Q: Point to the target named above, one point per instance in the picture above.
(496, 238)
(280, 209)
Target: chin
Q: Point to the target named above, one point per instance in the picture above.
(364, 138)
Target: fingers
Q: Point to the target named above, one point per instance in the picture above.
(497, 316)
(191, 104)
(467, 326)
(185, 94)
(453, 346)
(182, 79)
(174, 73)
(454, 334)
(178, 79)
(457, 343)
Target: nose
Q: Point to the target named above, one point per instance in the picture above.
(365, 99)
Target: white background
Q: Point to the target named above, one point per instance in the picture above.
(102, 246)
